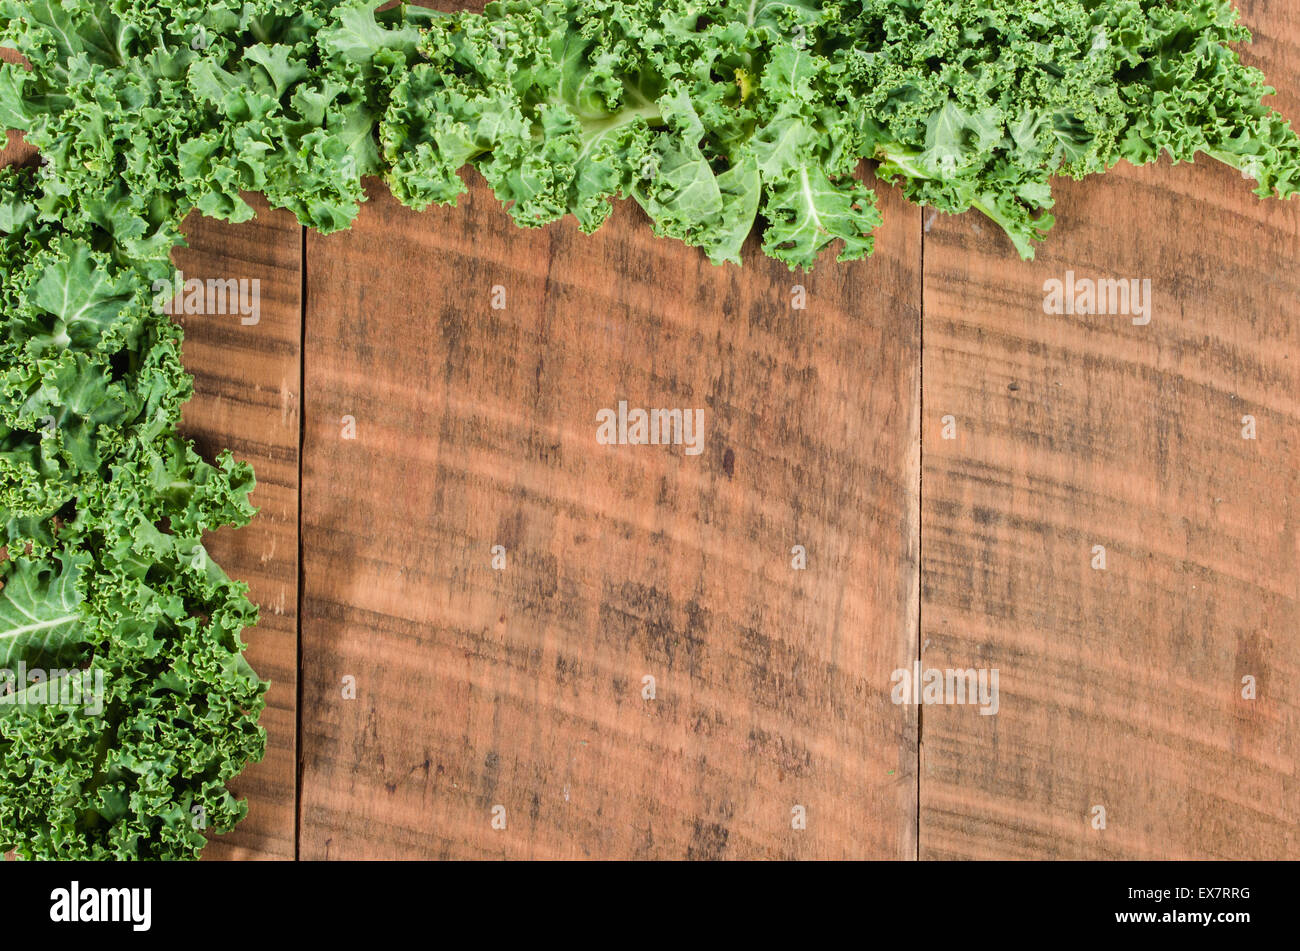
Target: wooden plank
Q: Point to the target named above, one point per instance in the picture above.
(523, 687)
(246, 399)
(1121, 687)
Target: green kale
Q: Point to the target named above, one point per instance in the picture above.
(102, 509)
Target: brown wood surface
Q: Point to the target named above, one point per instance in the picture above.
(1120, 687)
(247, 399)
(823, 427)
(523, 687)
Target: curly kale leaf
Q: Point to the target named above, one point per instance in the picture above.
(40, 618)
(718, 117)
(104, 580)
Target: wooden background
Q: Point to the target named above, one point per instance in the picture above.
(522, 688)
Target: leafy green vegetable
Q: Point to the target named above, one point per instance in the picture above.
(103, 508)
(720, 118)
(39, 616)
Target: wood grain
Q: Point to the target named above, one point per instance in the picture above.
(523, 687)
(1119, 687)
(247, 399)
